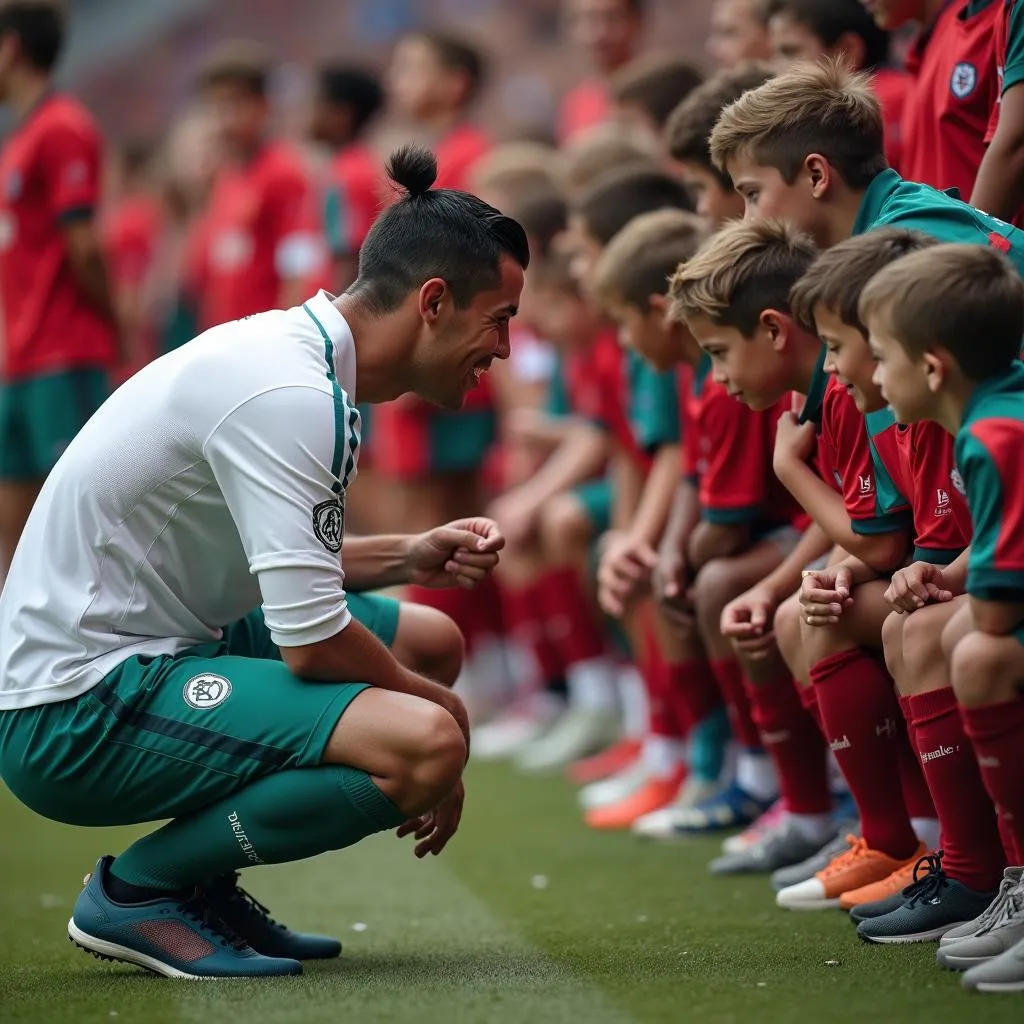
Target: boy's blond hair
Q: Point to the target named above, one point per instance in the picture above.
(811, 108)
(602, 148)
(839, 275)
(967, 299)
(638, 262)
(744, 269)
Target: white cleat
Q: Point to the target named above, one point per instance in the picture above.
(663, 825)
(580, 732)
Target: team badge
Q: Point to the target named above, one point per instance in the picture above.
(963, 81)
(329, 523)
(958, 482)
(206, 691)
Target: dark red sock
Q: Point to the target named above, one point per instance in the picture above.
(663, 719)
(970, 838)
(572, 624)
(861, 714)
(693, 691)
(997, 733)
(809, 699)
(734, 694)
(793, 740)
(455, 602)
(523, 618)
(916, 793)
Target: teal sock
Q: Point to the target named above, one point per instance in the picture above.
(284, 817)
(708, 740)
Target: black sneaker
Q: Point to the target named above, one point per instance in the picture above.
(933, 904)
(251, 920)
(879, 908)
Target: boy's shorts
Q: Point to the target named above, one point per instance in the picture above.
(40, 416)
(160, 737)
(595, 496)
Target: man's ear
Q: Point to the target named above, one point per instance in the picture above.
(820, 174)
(777, 325)
(431, 299)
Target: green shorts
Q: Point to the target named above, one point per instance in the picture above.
(162, 737)
(596, 498)
(40, 416)
(377, 613)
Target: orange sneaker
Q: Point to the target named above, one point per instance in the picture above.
(656, 793)
(888, 886)
(606, 764)
(858, 867)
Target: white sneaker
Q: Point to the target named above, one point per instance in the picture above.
(663, 823)
(619, 786)
(1002, 929)
(754, 833)
(580, 732)
(508, 733)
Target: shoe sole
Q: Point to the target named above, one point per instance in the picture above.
(961, 963)
(932, 935)
(103, 950)
(999, 986)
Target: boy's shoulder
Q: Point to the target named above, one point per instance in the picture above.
(997, 399)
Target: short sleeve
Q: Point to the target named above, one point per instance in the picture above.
(282, 461)
(70, 166)
(939, 507)
(654, 405)
(1013, 69)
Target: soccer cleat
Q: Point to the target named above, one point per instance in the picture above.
(764, 824)
(1004, 973)
(785, 877)
(878, 892)
(578, 733)
(778, 847)
(614, 789)
(173, 937)
(732, 807)
(250, 920)
(935, 903)
(1011, 879)
(510, 732)
(1002, 929)
(857, 867)
(656, 793)
(604, 765)
(661, 824)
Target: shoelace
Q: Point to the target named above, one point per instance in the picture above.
(993, 912)
(250, 903)
(1011, 908)
(198, 908)
(929, 884)
(858, 848)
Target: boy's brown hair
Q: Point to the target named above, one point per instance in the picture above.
(641, 258)
(840, 274)
(688, 129)
(655, 82)
(969, 299)
(544, 215)
(454, 53)
(614, 199)
(555, 273)
(744, 269)
(240, 62)
(516, 169)
(811, 108)
(602, 148)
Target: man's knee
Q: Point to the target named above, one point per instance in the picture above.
(435, 765)
(430, 643)
(565, 526)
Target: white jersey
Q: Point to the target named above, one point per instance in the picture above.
(211, 482)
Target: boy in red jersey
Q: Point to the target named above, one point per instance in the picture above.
(920, 461)
(60, 341)
(262, 242)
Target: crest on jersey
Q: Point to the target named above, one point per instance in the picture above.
(958, 482)
(963, 80)
(329, 523)
(206, 691)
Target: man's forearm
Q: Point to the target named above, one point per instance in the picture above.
(375, 562)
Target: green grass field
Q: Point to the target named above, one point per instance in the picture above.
(620, 933)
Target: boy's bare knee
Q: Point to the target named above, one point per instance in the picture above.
(564, 526)
(980, 671)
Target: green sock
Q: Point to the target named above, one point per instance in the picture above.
(707, 742)
(284, 817)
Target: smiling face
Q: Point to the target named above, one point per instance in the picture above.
(849, 359)
(907, 384)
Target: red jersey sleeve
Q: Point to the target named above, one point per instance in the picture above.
(70, 160)
(941, 516)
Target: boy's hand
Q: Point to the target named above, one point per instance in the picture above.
(747, 622)
(625, 569)
(794, 441)
(825, 595)
(917, 585)
(669, 584)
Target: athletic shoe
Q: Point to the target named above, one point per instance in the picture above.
(510, 732)
(733, 807)
(778, 847)
(606, 764)
(1004, 973)
(615, 789)
(858, 866)
(655, 794)
(935, 903)
(578, 733)
(1002, 930)
(1011, 879)
(785, 877)
(250, 920)
(876, 908)
(173, 937)
(878, 892)
(768, 822)
(661, 824)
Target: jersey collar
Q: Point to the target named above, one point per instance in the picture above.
(874, 199)
(322, 308)
(1011, 380)
(811, 412)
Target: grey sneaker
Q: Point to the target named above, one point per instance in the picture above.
(1011, 879)
(779, 847)
(785, 877)
(578, 733)
(934, 904)
(1003, 930)
(1003, 974)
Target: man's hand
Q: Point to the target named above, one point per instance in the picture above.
(917, 585)
(794, 441)
(625, 569)
(459, 554)
(747, 622)
(825, 594)
(433, 830)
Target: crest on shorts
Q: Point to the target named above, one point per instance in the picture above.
(206, 691)
(958, 482)
(963, 80)
(329, 523)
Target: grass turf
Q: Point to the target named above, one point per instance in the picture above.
(615, 933)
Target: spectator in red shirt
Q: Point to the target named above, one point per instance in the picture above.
(608, 32)
(262, 238)
(59, 336)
